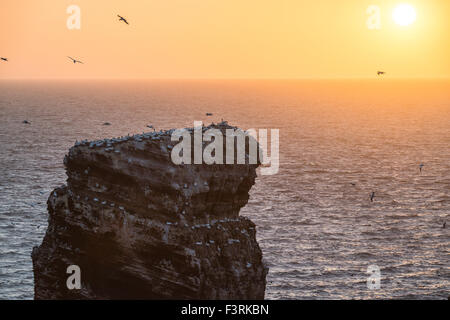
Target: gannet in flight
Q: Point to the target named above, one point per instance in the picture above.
(379, 73)
(421, 166)
(372, 196)
(122, 19)
(75, 60)
(4, 59)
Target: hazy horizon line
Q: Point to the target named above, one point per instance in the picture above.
(219, 79)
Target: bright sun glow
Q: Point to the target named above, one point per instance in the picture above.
(404, 14)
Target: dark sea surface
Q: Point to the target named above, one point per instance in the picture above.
(319, 231)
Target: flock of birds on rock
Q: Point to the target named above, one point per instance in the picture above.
(157, 136)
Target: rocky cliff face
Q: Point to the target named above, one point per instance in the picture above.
(141, 227)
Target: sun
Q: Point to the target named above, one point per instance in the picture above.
(404, 14)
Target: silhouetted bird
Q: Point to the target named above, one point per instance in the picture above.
(106, 124)
(26, 122)
(122, 19)
(421, 166)
(208, 114)
(74, 60)
(380, 73)
(4, 59)
(372, 196)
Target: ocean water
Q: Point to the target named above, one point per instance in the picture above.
(319, 231)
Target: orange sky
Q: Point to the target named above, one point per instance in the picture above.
(222, 39)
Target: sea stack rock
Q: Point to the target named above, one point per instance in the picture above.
(139, 226)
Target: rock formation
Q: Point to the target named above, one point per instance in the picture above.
(141, 227)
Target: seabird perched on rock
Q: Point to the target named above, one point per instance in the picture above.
(122, 19)
(75, 60)
(372, 196)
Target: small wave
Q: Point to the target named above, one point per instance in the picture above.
(363, 255)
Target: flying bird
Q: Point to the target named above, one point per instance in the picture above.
(75, 60)
(372, 196)
(421, 166)
(208, 114)
(4, 59)
(122, 19)
(380, 73)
